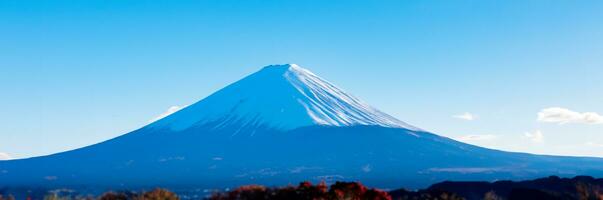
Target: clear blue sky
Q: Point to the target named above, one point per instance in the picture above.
(74, 73)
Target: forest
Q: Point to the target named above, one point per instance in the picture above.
(550, 188)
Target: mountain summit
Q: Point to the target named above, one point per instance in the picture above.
(281, 97)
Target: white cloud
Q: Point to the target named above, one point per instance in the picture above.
(169, 111)
(469, 138)
(5, 156)
(535, 136)
(594, 144)
(564, 116)
(466, 116)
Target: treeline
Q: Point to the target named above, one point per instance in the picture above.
(156, 194)
(305, 191)
(551, 188)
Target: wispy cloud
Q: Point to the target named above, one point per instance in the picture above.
(466, 116)
(594, 144)
(168, 112)
(470, 138)
(5, 156)
(536, 136)
(565, 116)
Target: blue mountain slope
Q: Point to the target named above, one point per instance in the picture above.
(244, 135)
(378, 156)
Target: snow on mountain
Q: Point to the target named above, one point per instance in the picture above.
(281, 97)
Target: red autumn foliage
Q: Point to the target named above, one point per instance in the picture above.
(305, 191)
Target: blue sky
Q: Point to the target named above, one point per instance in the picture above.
(74, 73)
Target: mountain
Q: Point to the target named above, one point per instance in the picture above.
(280, 125)
(280, 97)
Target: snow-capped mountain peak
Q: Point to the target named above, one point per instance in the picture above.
(282, 97)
